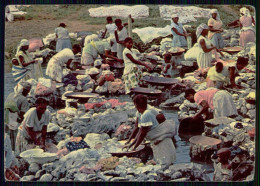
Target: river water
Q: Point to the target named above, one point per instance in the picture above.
(182, 145)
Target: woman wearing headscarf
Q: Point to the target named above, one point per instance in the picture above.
(159, 134)
(63, 38)
(33, 129)
(25, 61)
(247, 32)
(55, 66)
(16, 105)
(204, 56)
(178, 32)
(215, 29)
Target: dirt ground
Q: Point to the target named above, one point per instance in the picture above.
(28, 29)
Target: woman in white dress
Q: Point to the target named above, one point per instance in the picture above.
(63, 38)
(204, 56)
(55, 66)
(120, 35)
(34, 69)
(178, 32)
(132, 72)
(33, 129)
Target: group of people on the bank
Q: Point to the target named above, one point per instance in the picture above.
(26, 126)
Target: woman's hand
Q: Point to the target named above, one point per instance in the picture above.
(43, 147)
(157, 142)
(186, 35)
(120, 60)
(148, 67)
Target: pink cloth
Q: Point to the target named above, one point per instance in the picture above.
(42, 90)
(249, 35)
(62, 152)
(206, 95)
(35, 44)
(91, 170)
(122, 129)
(114, 102)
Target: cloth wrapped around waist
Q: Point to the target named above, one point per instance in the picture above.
(164, 130)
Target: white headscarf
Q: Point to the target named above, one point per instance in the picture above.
(174, 15)
(18, 89)
(215, 11)
(200, 28)
(24, 42)
(97, 62)
(245, 11)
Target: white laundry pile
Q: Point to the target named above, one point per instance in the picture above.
(12, 10)
(186, 13)
(136, 11)
(147, 34)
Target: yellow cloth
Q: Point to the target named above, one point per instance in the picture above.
(216, 24)
(36, 68)
(215, 76)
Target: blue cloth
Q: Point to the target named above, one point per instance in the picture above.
(217, 40)
(63, 43)
(71, 146)
(178, 41)
(19, 72)
(70, 79)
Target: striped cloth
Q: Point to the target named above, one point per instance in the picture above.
(19, 72)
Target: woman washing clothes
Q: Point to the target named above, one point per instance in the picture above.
(33, 129)
(159, 135)
(55, 66)
(225, 74)
(220, 101)
(132, 74)
(178, 32)
(63, 38)
(16, 105)
(247, 31)
(218, 76)
(25, 62)
(93, 49)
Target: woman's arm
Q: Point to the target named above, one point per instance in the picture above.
(108, 54)
(232, 76)
(214, 30)
(253, 20)
(32, 134)
(136, 61)
(178, 33)
(204, 109)
(23, 62)
(167, 67)
(141, 136)
(240, 24)
(44, 132)
(68, 63)
(135, 131)
(204, 47)
(103, 35)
